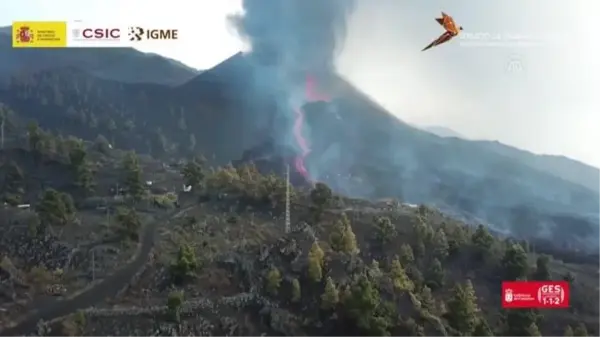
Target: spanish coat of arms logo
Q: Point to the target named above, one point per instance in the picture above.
(25, 35)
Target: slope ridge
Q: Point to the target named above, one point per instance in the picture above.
(367, 152)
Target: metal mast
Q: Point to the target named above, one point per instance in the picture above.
(287, 199)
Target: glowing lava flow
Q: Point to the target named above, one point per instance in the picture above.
(312, 95)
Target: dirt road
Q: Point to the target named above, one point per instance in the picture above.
(108, 288)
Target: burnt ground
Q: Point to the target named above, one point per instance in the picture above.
(235, 250)
(40, 268)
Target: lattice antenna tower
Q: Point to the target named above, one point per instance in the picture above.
(287, 199)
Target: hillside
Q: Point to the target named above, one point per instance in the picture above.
(563, 167)
(222, 264)
(560, 166)
(124, 65)
(157, 259)
(443, 131)
(227, 268)
(365, 153)
(64, 226)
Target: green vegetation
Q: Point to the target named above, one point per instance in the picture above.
(129, 222)
(315, 263)
(185, 265)
(132, 176)
(174, 302)
(55, 208)
(273, 281)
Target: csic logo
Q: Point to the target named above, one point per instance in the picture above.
(97, 34)
(139, 34)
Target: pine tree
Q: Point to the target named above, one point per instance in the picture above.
(482, 240)
(542, 271)
(580, 330)
(14, 183)
(440, 245)
(385, 231)
(320, 197)
(532, 330)
(482, 328)
(361, 303)
(35, 137)
(273, 281)
(330, 297)
(77, 152)
(419, 249)
(374, 271)
(399, 278)
(55, 208)
(463, 312)
(350, 244)
(193, 173)
(174, 302)
(315, 262)
(406, 254)
(426, 298)
(342, 238)
(84, 177)
(133, 176)
(130, 223)
(415, 275)
(296, 291)
(184, 265)
(423, 231)
(435, 275)
(522, 322)
(515, 263)
(568, 331)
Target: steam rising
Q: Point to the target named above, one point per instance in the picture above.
(297, 36)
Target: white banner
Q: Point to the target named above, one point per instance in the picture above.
(82, 34)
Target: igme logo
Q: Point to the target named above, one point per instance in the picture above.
(139, 34)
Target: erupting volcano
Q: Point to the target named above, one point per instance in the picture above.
(311, 94)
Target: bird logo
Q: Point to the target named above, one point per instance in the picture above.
(449, 25)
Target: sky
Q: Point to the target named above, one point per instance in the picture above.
(521, 72)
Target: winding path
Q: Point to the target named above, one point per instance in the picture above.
(107, 288)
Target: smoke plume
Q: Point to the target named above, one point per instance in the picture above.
(294, 43)
(297, 36)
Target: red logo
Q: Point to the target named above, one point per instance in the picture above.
(530, 294)
(25, 35)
